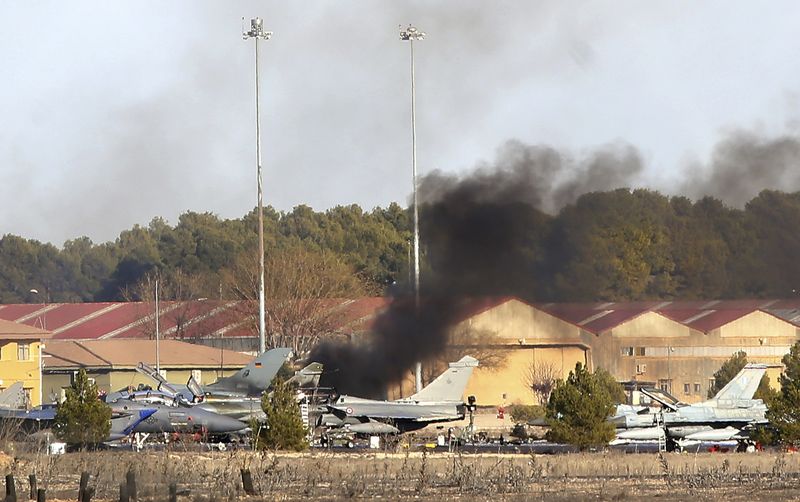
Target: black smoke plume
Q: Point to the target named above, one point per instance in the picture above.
(482, 235)
(479, 235)
(743, 164)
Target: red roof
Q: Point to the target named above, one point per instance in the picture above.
(208, 318)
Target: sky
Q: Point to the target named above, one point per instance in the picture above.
(114, 113)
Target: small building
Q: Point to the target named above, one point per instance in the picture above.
(112, 363)
(20, 358)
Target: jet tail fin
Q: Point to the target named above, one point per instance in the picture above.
(743, 386)
(450, 385)
(13, 397)
(256, 376)
(308, 376)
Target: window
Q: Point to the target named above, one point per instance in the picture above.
(640, 351)
(665, 385)
(697, 388)
(197, 375)
(641, 368)
(23, 351)
(627, 351)
(687, 389)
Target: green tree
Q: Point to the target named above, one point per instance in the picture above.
(784, 410)
(82, 419)
(610, 384)
(578, 410)
(284, 429)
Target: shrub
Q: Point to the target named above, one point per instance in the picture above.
(525, 414)
(578, 409)
(82, 419)
(284, 429)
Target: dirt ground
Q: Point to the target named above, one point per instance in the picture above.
(320, 475)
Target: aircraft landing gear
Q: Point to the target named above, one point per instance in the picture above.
(745, 447)
(673, 446)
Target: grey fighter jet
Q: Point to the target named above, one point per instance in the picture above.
(727, 416)
(163, 418)
(123, 422)
(237, 396)
(440, 401)
(250, 381)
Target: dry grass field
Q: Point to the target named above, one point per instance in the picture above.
(418, 475)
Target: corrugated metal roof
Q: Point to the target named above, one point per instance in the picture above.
(129, 353)
(714, 319)
(10, 330)
(209, 318)
(613, 319)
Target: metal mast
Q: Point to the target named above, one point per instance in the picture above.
(257, 33)
(158, 334)
(412, 34)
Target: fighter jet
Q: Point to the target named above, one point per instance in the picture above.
(250, 381)
(37, 419)
(440, 401)
(727, 416)
(181, 418)
(237, 396)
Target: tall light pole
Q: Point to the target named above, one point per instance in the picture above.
(158, 333)
(257, 33)
(412, 34)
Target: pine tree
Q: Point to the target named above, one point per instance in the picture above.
(284, 429)
(82, 419)
(578, 409)
(784, 410)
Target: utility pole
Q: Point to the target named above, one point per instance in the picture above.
(257, 33)
(412, 34)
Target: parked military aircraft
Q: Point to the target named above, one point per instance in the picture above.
(727, 416)
(237, 396)
(123, 422)
(181, 418)
(440, 401)
(250, 381)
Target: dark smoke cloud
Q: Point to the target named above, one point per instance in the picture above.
(478, 232)
(539, 175)
(401, 336)
(742, 165)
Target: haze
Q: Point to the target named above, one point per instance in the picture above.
(114, 113)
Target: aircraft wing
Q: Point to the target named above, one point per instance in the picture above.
(416, 415)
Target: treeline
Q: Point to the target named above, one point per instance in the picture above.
(616, 245)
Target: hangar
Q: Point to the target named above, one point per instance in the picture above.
(677, 345)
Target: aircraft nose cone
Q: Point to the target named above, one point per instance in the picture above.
(220, 423)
